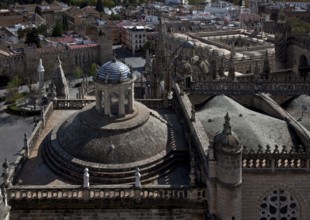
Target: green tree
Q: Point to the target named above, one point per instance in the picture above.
(195, 2)
(42, 29)
(99, 6)
(20, 33)
(109, 3)
(12, 89)
(65, 24)
(32, 37)
(93, 69)
(149, 45)
(78, 72)
(58, 29)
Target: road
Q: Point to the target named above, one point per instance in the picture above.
(12, 129)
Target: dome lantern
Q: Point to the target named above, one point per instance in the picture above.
(115, 89)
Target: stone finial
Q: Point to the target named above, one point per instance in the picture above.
(227, 127)
(40, 67)
(86, 178)
(59, 61)
(5, 173)
(5, 165)
(193, 116)
(26, 146)
(137, 178)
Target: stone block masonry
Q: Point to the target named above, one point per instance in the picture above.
(109, 214)
(256, 186)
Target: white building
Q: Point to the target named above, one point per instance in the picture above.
(137, 36)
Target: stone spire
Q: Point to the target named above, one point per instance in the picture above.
(266, 67)
(59, 80)
(227, 127)
(213, 65)
(295, 69)
(256, 72)
(221, 68)
(231, 66)
(148, 65)
(159, 62)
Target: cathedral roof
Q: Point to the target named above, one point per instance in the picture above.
(253, 128)
(113, 72)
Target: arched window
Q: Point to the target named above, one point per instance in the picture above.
(279, 205)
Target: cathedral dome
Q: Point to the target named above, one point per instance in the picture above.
(93, 137)
(113, 72)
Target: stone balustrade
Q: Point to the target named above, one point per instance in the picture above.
(72, 103)
(152, 103)
(105, 192)
(272, 87)
(276, 159)
(33, 138)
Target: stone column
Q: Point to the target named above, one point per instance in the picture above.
(99, 100)
(121, 103)
(107, 104)
(131, 99)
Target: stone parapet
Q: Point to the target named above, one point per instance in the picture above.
(32, 140)
(279, 159)
(72, 103)
(127, 193)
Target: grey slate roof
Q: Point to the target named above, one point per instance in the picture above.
(252, 128)
(299, 108)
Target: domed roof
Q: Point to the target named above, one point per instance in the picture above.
(188, 44)
(113, 72)
(227, 140)
(89, 136)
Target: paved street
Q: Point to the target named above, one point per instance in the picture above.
(12, 129)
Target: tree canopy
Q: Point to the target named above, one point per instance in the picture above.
(32, 37)
(58, 29)
(99, 6)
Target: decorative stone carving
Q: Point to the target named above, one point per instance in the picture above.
(137, 178)
(86, 178)
(279, 204)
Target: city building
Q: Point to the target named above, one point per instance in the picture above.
(210, 143)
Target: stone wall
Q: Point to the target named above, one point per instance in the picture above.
(256, 186)
(109, 214)
(26, 63)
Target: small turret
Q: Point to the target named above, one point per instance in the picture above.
(228, 154)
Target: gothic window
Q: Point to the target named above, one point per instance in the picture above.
(279, 205)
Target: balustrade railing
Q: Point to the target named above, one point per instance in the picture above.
(276, 159)
(105, 192)
(72, 103)
(294, 87)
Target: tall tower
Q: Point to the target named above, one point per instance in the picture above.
(159, 71)
(281, 44)
(228, 155)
